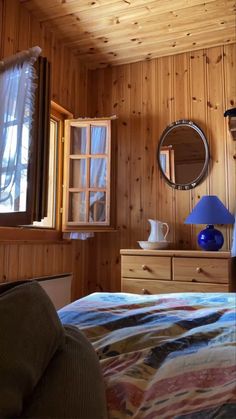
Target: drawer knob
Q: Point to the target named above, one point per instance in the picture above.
(198, 270)
(194, 280)
(145, 292)
(145, 268)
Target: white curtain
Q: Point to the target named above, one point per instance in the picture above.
(17, 88)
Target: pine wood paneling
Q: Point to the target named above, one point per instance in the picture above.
(137, 152)
(217, 134)
(11, 262)
(112, 32)
(23, 41)
(181, 111)
(20, 30)
(198, 113)
(164, 115)
(2, 263)
(229, 68)
(148, 139)
(194, 85)
(146, 96)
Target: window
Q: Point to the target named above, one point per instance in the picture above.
(54, 136)
(31, 156)
(87, 175)
(49, 227)
(17, 87)
(167, 159)
(24, 125)
(58, 116)
(14, 167)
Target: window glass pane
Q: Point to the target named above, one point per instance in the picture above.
(77, 173)
(98, 140)
(98, 173)
(97, 206)
(78, 140)
(13, 179)
(77, 207)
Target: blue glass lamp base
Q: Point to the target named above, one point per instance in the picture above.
(210, 238)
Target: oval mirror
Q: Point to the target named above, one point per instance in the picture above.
(183, 154)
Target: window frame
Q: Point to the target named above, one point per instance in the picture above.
(60, 114)
(36, 167)
(109, 224)
(15, 218)
(37, 233)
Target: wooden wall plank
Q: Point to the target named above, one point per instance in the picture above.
(66, 258)
(216, 121)
(163, 86)
(198, 114)
(229, 56)
(136, 178)
(38, 260)
(2, 264)
(9, 27)
(121, 87)
(36, 32)
(25, 268)
(182, 111)
(11, 260)
(24, 30)
(149, 143)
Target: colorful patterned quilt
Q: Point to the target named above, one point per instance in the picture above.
(163, 356)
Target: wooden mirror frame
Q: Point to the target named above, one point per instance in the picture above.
(198, 179)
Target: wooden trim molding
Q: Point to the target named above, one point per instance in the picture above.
(28, 234)
(56, 108)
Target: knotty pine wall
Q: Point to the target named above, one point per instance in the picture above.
(146, 97)
(18, 31)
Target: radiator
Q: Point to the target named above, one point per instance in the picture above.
(58, 288)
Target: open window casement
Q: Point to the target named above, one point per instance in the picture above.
(24, 98)
(88, 175)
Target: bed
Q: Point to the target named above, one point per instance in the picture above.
(117, 355)
(162, 356)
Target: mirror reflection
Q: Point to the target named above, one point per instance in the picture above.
(183, 154)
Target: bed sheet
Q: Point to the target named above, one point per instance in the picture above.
(163, 356)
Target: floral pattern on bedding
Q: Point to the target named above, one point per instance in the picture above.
(163, 356)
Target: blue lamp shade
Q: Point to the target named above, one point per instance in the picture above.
(210, 210)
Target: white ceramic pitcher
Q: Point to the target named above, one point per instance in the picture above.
(156, 233)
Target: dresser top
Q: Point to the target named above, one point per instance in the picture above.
(183, 253)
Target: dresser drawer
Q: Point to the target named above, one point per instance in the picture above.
(149, 267)
(201, 270)
(145, 286)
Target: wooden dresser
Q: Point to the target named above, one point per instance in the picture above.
(163, 271)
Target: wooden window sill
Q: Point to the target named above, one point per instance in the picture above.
(29, 234)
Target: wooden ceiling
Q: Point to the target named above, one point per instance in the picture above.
(112, 32)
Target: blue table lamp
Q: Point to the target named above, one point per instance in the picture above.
(210, 210)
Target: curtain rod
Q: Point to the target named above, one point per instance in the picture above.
(33, 52)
